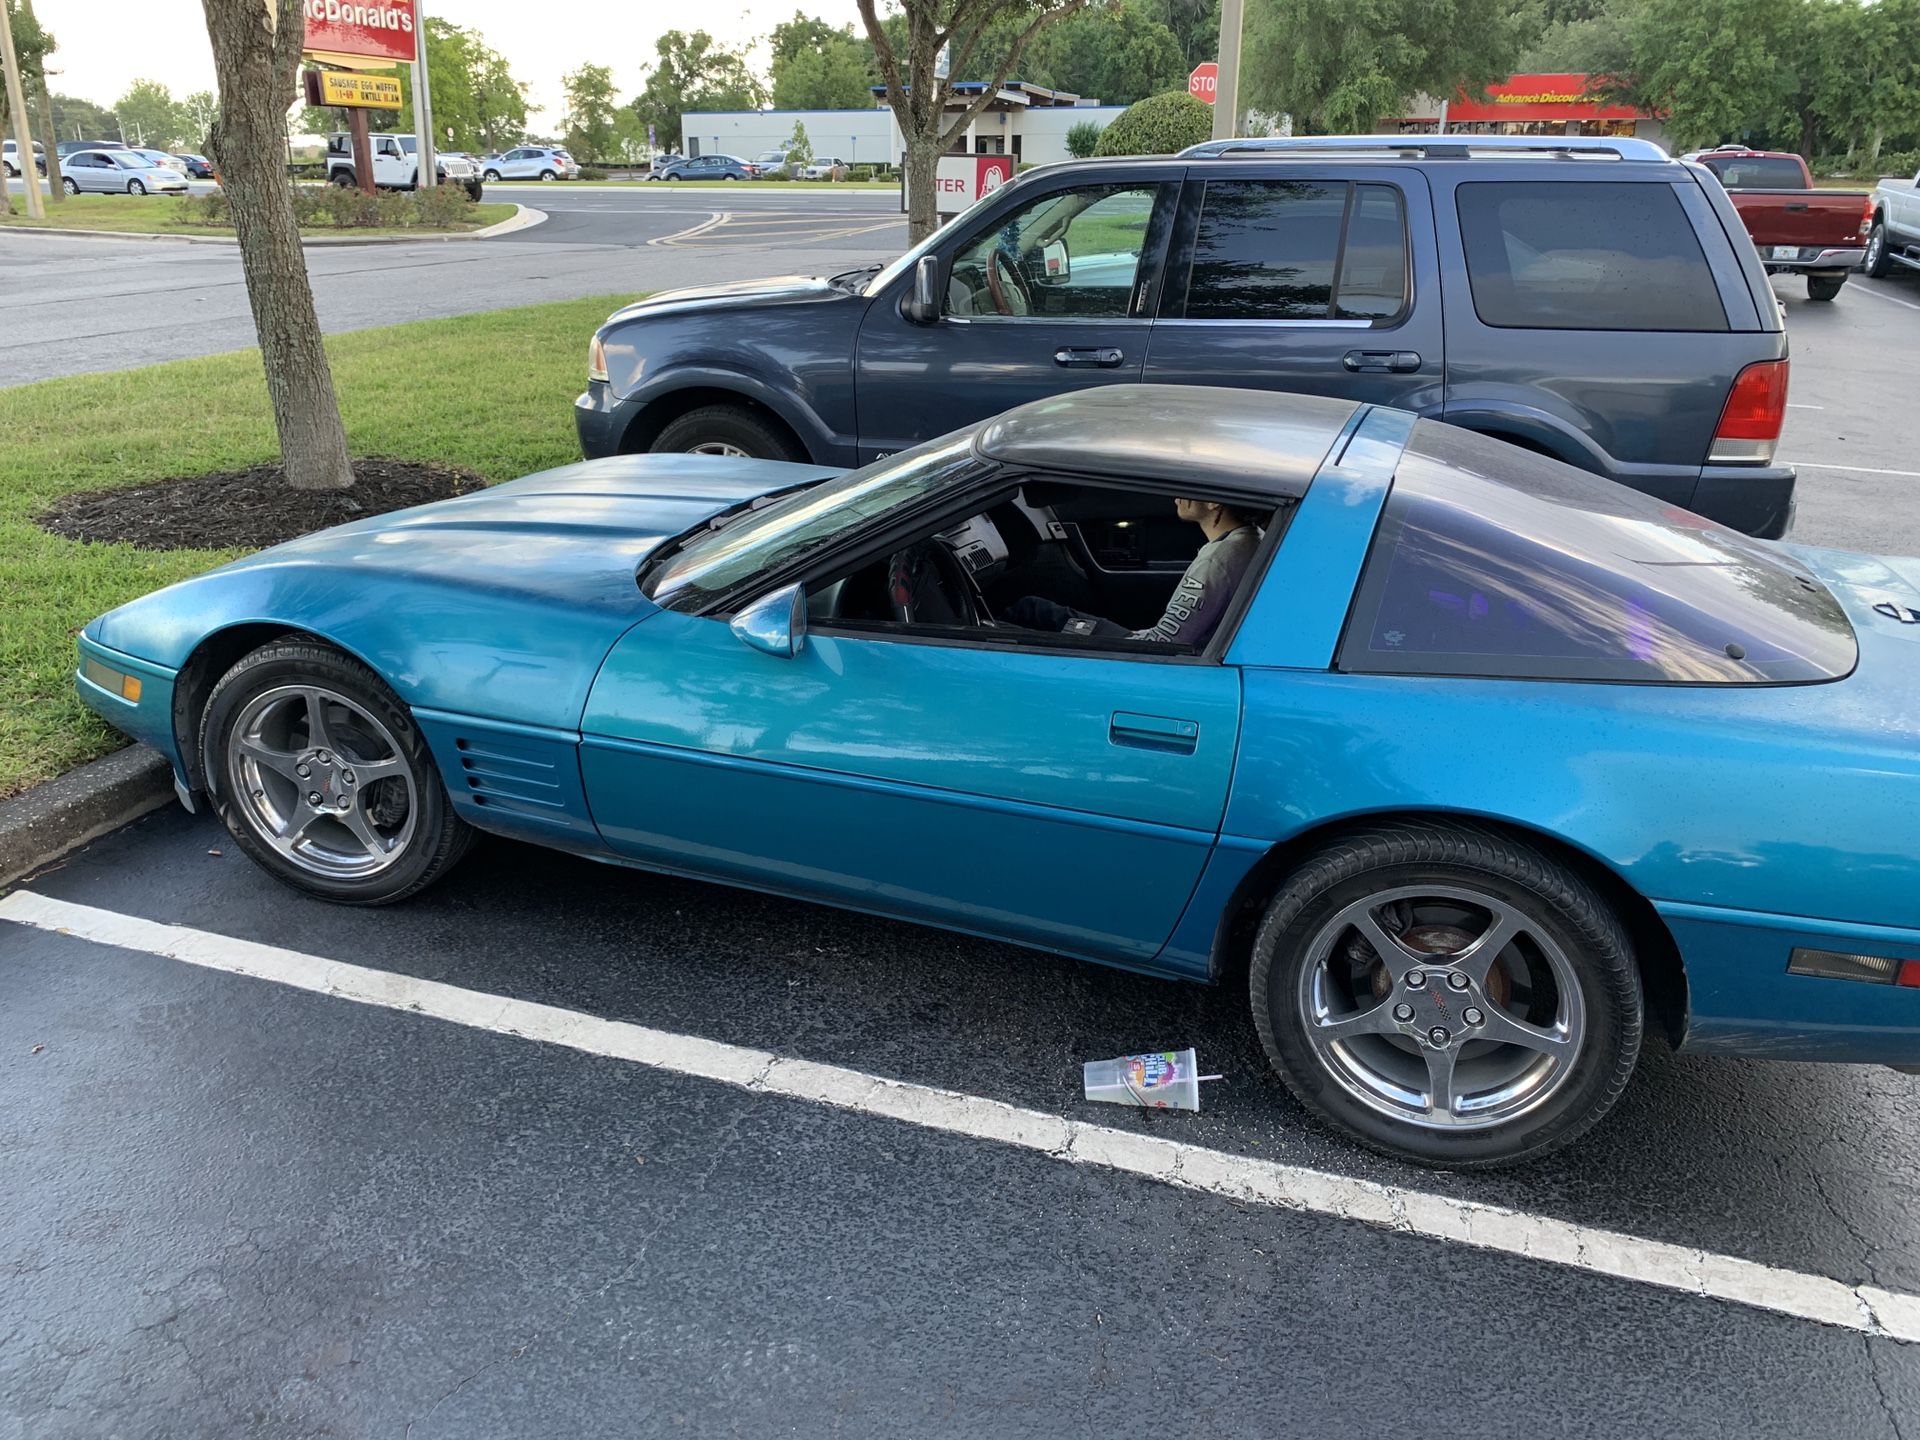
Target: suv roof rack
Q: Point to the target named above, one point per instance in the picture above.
(1436, 147)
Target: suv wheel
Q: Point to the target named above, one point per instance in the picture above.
(1446, 995)
(490, 176)
(342, 178)
(727, 430)
(548, 175)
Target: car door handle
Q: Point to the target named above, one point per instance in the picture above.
(1154, 732)
(1397, 361)
(1794, 207)
(1104, 357)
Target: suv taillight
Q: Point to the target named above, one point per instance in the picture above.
(596, 359)
(1749, 429)
(1866, 217)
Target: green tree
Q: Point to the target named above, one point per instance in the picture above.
(799, 147)
(198, 111)
(1157, 125)
(499, 103)
(476, 100)
(148, 115)
(816, 67)
(1082, 138)
(1118, 53)
(78, 119)
(590, 111)
(1336, 69)
(1718, 69)
(693, 74)
(931, 118)
(1194, 24)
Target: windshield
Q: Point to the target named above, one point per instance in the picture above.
(1495, 561)
(905, 263)
(713, 561)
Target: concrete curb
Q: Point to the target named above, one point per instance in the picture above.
(517, 221)
(48, 821)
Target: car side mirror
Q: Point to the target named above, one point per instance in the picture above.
(775, 624)
(923, 305)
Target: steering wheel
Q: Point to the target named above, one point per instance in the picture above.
(927, 585)
(1006, 286)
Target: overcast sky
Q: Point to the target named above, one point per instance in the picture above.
(105, 45)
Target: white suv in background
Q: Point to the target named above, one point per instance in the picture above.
(532, 162)
(396, 164)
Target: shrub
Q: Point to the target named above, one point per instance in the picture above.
(1891, 162)
(592, 172)
(1158, 125)
(781, 174)
(338, 207)
(1082, 138)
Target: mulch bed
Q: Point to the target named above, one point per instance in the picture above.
(247, 509)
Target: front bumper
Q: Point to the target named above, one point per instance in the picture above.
(150, 717)
(600, 419)
(1812, 257)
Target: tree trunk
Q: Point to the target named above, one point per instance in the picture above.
(1873, 147)
(256, 49)
(923, 209)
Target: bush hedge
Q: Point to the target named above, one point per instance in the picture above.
(339, 207)
(1158, 125)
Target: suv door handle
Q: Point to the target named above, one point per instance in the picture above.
(1400, 362)
(1102, 358)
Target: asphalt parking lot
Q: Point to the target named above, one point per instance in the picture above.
(244, 1193)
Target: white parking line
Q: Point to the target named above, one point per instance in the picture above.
(1882, 295)
(1856, 469)
(1864, 1308)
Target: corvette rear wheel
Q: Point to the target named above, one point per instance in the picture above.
(1447, 995)
(320, 774)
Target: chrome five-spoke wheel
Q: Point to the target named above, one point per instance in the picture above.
(1446, 993)
(322, 781)
(1441, 1006)
(322, 776)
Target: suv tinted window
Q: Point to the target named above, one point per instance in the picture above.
(1605, 255)
(1492, 560)
(1273, 250)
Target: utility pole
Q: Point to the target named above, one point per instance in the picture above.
(422, 100)
(22, 130)
(49, 138)
(1226, 93)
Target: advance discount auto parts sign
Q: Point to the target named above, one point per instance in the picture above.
(383, 30)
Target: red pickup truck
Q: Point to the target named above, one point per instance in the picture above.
(1797, 229)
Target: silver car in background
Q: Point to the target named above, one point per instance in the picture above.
(532, 162)
(118, 172)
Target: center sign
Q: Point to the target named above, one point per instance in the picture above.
(380, 31)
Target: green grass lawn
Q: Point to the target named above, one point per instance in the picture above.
(491, 392)
(160, 215)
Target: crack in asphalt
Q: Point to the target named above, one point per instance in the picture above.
(1859, 1238)
(1880, 1389)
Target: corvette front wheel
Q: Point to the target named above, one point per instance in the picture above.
(321, 776)
(1447, 995)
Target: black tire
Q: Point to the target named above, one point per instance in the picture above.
(70, 185)
(734, 426)
(1877, 262)
(1825, 287)
(490, 176)
(342, 178)
(434, 839)
(134, 187)
(675, 179)
(1560, 909)
(475, 190)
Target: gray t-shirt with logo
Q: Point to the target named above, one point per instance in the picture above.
(1202, 595)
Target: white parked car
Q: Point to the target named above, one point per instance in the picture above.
(118, 172)
(532, 162)
(826, 168)
(396, 165)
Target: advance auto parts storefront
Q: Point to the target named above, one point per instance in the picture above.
(1531, 105)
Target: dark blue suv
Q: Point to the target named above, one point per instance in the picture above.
(1591, 299)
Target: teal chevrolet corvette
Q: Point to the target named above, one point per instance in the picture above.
(1470, 766)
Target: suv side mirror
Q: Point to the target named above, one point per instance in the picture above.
(775, 624)
(923, 305)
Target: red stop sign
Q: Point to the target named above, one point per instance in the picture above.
(1204, 81)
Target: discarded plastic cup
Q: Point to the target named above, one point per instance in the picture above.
(1159, 1080)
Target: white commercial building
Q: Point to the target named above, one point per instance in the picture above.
(1026, 121)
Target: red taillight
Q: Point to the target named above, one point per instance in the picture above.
(1756, 408)
(1910, 974)
(1866, 217)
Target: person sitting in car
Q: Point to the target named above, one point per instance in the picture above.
(1198, 601)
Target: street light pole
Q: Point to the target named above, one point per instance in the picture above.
(1226, 92)
(22, 130)
(427, 171)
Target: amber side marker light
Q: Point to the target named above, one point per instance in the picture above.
(127, 687)
(1840, 965)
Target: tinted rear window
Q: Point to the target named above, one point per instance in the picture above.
(1604, 255)
(1279, 249)
(1755, 172)
(1496, 561)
